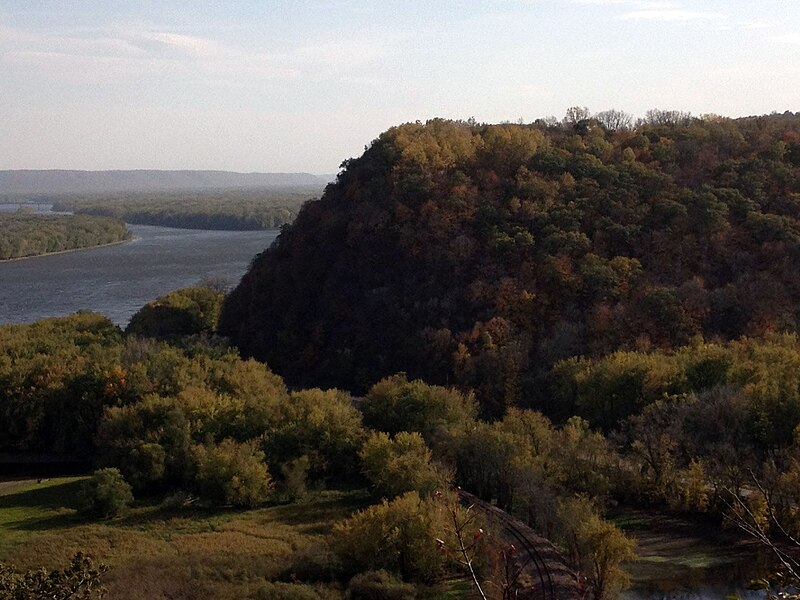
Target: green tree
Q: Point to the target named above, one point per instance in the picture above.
(596, 547)
(137, 436)
(233, 473)
(399, 536)
(396, 404)
(105, 494)
(181, 312)
(401, 464)
(322, 425)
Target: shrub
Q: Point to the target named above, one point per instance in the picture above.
(176, 501)
(105, 494)
(402, 464)
(233, 473)
(292, 591)
(379, 585)
(181, 312)
(295, 478)
(313, 562)
(395, 404)
(397, 536)
(81, 579)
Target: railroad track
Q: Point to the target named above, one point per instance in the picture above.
(555, 580)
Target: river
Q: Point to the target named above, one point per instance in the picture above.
(118, 280)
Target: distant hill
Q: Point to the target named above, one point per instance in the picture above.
(91, 182)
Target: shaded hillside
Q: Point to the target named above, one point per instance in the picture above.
(58, 181)
(481, 255)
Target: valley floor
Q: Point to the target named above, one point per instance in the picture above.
(185, 553)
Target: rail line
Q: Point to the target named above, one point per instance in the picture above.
(551, 587)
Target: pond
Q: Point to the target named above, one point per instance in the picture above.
(692, 560)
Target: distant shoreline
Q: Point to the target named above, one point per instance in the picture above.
(5, 260)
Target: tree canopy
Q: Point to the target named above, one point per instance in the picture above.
(482, 255)
(181, 312)
(234, 209)
(23, 234)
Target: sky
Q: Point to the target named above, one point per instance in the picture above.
(301, 85)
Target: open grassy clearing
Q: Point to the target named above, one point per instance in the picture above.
(179, 553)
(27, 506)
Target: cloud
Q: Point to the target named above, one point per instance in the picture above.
(340, 53)
(671, 14)
(662, 11)
(789, 38)
(130, 50)
(195, 46)
(756, 24)
(641, 4)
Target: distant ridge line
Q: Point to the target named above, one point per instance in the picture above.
(69, 181)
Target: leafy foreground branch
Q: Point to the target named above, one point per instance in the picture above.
(80, 580)
(461, 522)
(494, 566)
(760, 514)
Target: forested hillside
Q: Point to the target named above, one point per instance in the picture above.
(224, 210)
(64, 181)
(483, 255)
(24, 234)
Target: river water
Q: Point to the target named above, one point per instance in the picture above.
(681, 559)
(118, 280)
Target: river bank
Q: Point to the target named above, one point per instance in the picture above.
(70, 251)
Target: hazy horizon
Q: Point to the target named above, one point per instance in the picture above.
(176, 170)
(300, 86)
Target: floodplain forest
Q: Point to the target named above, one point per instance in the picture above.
(236, 210)
(23, 235)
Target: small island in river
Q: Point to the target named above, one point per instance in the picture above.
(24, 235)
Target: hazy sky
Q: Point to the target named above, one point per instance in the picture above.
(301, 85)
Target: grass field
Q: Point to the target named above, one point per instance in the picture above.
(179, 553)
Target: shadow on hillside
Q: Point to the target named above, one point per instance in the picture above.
(31, 502)
(62, 495)
(335, 507)
(65, 496)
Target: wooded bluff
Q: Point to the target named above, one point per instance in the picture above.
(482, 255)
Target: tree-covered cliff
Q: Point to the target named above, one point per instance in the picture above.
(481, 255)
